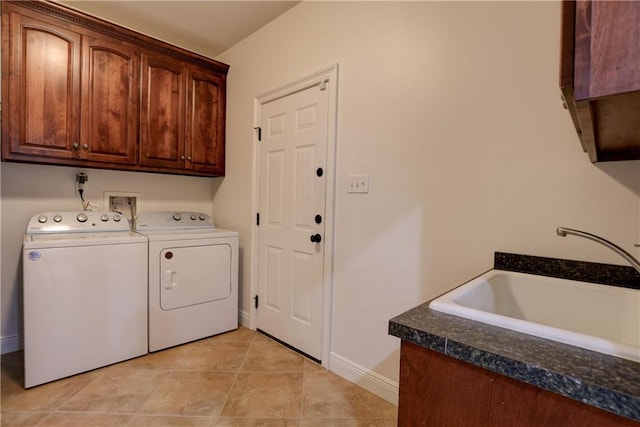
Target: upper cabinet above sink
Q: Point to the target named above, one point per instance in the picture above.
(600, 76)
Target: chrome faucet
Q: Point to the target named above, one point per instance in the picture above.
(563, 232)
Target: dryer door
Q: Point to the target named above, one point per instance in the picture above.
(194, 275)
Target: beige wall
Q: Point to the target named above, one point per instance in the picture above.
(454, 111)
(28, 189)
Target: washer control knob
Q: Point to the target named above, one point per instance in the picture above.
(82, 217)
(177, 216)
(104, 218)
(57, 218)
(117, 218)
(193, 217)
(42, 219)
(202, 217)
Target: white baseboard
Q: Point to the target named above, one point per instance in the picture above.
(244, 318)
(365, 378)
(10, 344)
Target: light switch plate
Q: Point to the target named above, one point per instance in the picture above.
(358, 183)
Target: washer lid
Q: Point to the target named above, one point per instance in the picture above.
(59, 240)
(175, 220)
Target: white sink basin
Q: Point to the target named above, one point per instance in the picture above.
(592, 316)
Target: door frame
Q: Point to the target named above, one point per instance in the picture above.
(328, 76)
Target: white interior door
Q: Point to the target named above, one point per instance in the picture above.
(291, 242)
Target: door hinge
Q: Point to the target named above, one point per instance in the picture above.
(256, 301)
(323, 84)
(258, 218)
(259, 129)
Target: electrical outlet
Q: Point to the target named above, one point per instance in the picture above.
(358, 183)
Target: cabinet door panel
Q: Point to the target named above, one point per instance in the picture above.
(614, 53)
(205, 121)
(44, 85)
(110, 101)
(162, 113)
(436, 390)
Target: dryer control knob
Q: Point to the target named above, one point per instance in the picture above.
(177, 216)
(202, 218)
(117, 218)
(104, 218)
(57, 218)
(193, 217)
(42, 219)
(82, 217)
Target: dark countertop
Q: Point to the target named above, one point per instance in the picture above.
(597, 379)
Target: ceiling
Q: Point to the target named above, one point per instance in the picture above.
(208, 27)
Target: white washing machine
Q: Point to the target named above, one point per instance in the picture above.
(85, 294)
(193, 277)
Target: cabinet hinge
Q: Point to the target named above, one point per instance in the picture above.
(259, 129)
(258, 218)
(255, 298)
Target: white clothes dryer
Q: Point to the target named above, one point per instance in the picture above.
(85, 294)
(193, 277)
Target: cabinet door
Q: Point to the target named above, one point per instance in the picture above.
(110, 89)
(205, 121)
(162, 112)
(600, 76)
(43, 65)
(438, 390)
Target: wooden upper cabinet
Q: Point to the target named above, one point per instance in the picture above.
(182, 116)
(600, 76)
(110, 90)
(162, 116)
(205, 121)
(81, 91)
(43, 64)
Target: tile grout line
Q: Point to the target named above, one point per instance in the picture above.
(62, 403)
(235, 380)
(304, 374)
(137, 412)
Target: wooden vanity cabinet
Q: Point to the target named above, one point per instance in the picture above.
(81, 91)
(438, 390)
(600, 76)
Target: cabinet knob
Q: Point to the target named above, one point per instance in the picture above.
(189, 158)
(181, 157)
(75, 145)
(85, 146)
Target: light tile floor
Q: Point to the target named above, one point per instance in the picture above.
(240, 378)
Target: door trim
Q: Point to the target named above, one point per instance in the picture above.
(328, 76)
